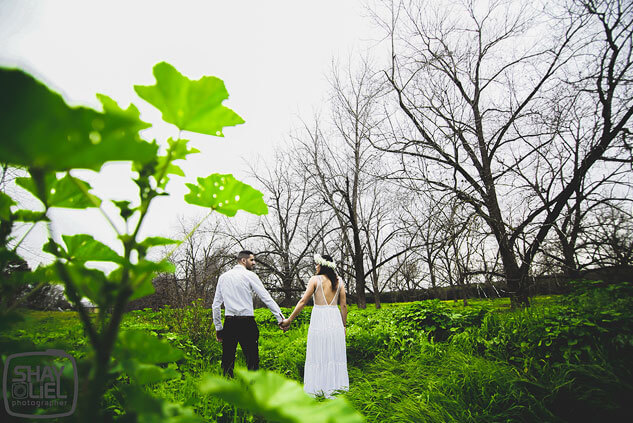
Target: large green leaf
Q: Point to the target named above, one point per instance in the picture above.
(226, 195)
(64, 192)
(143, 373)
(93, 284)
(82, 248)
(190, 105)
(89, 283)
(155, 241)
(39, 130)
(29, 216)
(143, 407)
(141, 276)
(5, 206)
(277, 398)
(177, 150)
(145, 348)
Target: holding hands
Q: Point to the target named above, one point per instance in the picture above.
(284, 324)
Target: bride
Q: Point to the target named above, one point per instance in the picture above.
(326, 359)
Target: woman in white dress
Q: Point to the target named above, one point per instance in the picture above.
(326, 359)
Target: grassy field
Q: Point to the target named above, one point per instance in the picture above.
(565, 359)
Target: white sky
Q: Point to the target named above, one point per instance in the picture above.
(273, 56)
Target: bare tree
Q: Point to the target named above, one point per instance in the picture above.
(473, 85)
(7, 175)
(341, 161)
(288, 234)
(409, 273)
(385, 238)
(459, 264)
(613, 238)
(199, 261)
(421, 218)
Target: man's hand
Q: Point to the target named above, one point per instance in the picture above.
(284, 325)
(218, 335)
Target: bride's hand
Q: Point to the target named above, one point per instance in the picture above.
(284, 325)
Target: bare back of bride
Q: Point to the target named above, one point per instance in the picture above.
(326, 359)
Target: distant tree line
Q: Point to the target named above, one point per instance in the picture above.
(479, 149)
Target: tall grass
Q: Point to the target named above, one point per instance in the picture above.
(565, 359)
(438, 383)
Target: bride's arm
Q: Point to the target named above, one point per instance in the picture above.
(302, 302)
(343, 304)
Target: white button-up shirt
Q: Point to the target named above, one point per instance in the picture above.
(235, 289)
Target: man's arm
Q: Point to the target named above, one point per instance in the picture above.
(264, 295)
(217, 311)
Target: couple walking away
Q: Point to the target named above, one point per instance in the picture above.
(326, 361)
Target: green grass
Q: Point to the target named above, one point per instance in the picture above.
(440, 384)
(564, 359)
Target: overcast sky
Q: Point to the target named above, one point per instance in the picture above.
(273, 55)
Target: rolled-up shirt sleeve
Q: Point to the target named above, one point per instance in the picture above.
(258, 288)
(216, 307)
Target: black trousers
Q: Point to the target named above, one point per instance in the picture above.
(242, 330)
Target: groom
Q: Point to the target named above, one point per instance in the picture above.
(235, 288)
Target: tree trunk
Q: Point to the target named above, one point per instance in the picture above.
(287, 290)
(517, 286)
(516, 277)
(374, 282)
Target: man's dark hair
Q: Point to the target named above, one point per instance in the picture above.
(244, 254)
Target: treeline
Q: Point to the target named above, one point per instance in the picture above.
(478, 146)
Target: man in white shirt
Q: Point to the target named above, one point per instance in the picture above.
(235, 289)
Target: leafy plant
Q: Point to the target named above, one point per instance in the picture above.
(40, 133)
(278, 399)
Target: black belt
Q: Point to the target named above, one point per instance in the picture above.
(238, 317)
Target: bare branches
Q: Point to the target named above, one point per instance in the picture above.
(478, 87)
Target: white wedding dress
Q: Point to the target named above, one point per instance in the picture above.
(326, 359)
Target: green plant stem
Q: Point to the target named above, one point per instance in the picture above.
(110, 334)
(38, 177)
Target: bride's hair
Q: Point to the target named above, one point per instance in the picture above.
(329, 272)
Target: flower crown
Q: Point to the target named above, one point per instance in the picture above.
(323, 262)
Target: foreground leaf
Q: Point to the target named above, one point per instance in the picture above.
(278, 399)
(190, 105)
(141, 276)
(226, 195)
(82, 248)
(140, 406)
(89, 283)
(155, 241)
(64, 192)
(177, 150)
(144, 374)
(39, 130)
(145, 348)
(29, 216)
(5, 206)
